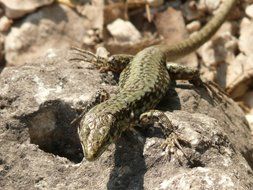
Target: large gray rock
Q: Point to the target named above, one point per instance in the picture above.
(39, 149)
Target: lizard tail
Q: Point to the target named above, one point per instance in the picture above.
(196, 40)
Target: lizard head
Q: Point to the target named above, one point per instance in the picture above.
(96, 132)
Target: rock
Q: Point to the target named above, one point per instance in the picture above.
(194, 10)
(102, 52)
(56, 26)
(247, 99)
(124, 31)
(5, 24)
(220, 48)
(93, 11)
(193, 26)
(246, 36)
(115, 47)
(249, 118)
(217, 53)
(2, 62)
(190, 11)
(210, 5)
(170, 24)
(14, 9)
(239, 76)
(40, 149)
(155, 3)
(249, 11)
(127, 39)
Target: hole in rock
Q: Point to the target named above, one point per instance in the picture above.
(50, 128)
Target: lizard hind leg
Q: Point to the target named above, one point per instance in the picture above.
(171, 142)
(181, 72)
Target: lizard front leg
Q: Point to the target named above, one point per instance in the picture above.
(180, 72)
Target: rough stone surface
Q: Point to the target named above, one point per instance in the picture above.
(218, 53)
(5, 24)
(190, 11)
(249, 11)
(210, 5)
(220, 48)
(39, 149)
(193, 26)
(247, 98)
(174, 32)
(123, 31)
(239, 75)
(16, 9)
(2, 63)
(56, 26)
(249, 118)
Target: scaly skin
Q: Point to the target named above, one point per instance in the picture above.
(142, 85)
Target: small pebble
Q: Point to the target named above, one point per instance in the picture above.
(124, 31)
(249, 11)
(193, 26)
(5, 24)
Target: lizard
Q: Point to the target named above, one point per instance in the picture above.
(143, 82)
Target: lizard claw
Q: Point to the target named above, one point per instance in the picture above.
(171, 143)
(78, 54)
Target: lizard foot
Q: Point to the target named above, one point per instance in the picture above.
(216, 90)
(172, 138)
(78, 54)
(116, 63)
(171, 144)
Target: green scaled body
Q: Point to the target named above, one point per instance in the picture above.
(140, 91)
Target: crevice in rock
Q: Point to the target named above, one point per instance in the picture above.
(6, 102)
(50, 129)
(195, 164)
(248, 155)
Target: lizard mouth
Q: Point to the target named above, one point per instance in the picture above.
(95, 134)
(94, 149)
(92, 155)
